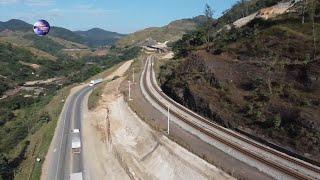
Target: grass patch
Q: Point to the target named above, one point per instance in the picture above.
(157, 67)
(94, 97)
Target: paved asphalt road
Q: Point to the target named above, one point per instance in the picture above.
(62, 161)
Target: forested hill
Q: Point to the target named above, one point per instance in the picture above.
(262, 78)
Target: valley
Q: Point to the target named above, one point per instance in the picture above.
(224, 93)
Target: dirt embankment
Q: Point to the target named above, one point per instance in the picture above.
(98, 158)
(265, 13)
(262, 78)
(120, 144)
(279, 105)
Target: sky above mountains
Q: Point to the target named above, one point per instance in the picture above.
(124, 16)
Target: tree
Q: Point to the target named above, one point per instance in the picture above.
(270, 73)
(244, 8)
(276, 122)
(182, 47)
(304, 4)
(274, 66)
(312, 11)
(5, 169)
(208, 12)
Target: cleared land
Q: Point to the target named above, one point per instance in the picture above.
(140, 151)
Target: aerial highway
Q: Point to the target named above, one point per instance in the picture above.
(270, 161)
(61, 161)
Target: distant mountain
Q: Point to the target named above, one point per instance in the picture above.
(171, 32)
(94, 37)
(99, 37)
(66, 34)
(15, 25)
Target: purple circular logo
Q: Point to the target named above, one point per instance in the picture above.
(41, 27)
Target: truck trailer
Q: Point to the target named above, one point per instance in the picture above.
(95, 82)
(75, 141)
(76, 176)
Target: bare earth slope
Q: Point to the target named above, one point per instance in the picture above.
(262, 78)
(125, 140)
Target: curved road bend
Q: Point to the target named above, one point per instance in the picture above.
(62, 162)
(267, 160)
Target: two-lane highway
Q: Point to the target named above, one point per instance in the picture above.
(61, 161)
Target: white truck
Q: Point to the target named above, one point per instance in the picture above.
(96, 81)
(75, 141)
(76, 176)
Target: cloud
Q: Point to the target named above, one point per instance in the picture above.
(28, 2)
(83, 9)
(39, 2)
(83, 6)
(3, 2)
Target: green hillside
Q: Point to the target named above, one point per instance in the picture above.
(15, 25)
(66, 35)
(262, 79)
(20, 33)
(29, 81)
(19, 25)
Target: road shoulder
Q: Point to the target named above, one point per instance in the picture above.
(140, 151)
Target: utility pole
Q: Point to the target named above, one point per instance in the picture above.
(168, 119)
(129, 90)
(133, 75)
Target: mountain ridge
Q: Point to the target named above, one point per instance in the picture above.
(99, 37)
(173, 31)
(13, 24)
(93, 37)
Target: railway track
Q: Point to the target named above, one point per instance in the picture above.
(298, 169)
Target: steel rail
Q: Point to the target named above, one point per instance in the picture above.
(286, 170)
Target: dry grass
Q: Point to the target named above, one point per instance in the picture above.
(94, 97)
(157, 64)
(97, 92)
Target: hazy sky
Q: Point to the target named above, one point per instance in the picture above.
(122, 16)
